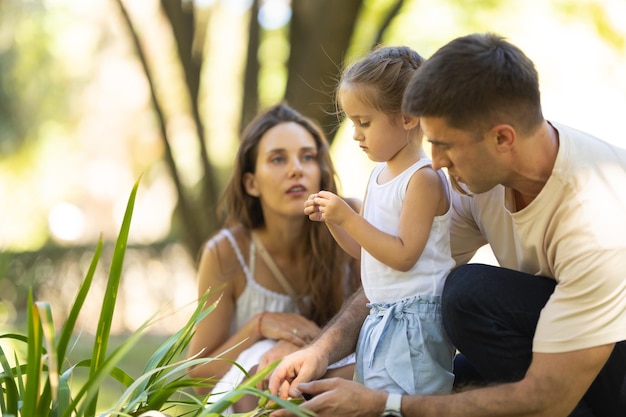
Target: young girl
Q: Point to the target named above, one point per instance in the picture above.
(279, 278)
(401, 236)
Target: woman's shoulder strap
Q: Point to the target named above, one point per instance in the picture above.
(233, 243)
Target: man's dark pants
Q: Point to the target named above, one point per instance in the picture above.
(490, 314)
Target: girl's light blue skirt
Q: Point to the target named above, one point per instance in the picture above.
(403, 348)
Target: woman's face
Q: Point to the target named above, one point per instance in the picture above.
(287, 170)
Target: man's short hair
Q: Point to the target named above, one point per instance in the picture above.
(476, 82)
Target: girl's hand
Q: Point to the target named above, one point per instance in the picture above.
(312, 210)
(332, 208)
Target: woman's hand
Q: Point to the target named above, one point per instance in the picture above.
(290, 327)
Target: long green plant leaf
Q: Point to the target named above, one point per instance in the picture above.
(110, 296)
(47, 324)
(248, 386)
(9, 398)
(64, 395)
(82, 401)
(48, 396)
(217, 408)
(33, 364)
(69, 326)
(176, 344)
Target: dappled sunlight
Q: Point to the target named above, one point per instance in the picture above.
(67, 222)
(274, 14)
(152, 214)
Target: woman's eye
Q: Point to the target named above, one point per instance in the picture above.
(277, 159)
(364, 124)
(310, 157)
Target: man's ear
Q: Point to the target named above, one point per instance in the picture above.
(505, 136)
(410, 122)
(249, 183)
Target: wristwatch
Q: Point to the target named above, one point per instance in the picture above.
(392, 406)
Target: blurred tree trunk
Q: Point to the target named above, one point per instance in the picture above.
(203, 216)
(194, 229)
(320, 35)
(250, 100)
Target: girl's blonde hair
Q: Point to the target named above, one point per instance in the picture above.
(381, 77)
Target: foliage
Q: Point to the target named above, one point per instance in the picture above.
(41, 385)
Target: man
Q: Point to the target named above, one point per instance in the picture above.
(545, 331)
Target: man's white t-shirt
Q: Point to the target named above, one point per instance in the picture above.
(574, 231)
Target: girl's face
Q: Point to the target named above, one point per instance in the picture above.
(287, 170)
(380, 135)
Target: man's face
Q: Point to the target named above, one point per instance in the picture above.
(469, 159)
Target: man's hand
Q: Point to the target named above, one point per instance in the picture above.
(301, 366)
(337, 397)
(281, 349)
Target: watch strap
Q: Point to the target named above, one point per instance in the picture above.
(393, 404)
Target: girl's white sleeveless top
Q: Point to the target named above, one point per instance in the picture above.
(382, 209)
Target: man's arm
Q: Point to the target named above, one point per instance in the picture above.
(553, 386)
(340, 335)
(337, 340)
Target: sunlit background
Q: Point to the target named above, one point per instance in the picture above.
(77, 127)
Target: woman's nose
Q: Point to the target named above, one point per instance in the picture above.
(296, 167)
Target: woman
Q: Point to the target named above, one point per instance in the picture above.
(278, 276)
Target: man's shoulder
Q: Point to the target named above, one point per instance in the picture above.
(586, 142)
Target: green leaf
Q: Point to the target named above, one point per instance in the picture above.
(70, 322)
(33, 364)
(246, 387)
(64, 397)
(45, 312)
(110, 297)
(91, 387)
(9, 400)
(176, 344)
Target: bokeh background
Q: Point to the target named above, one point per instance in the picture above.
(97, 94)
